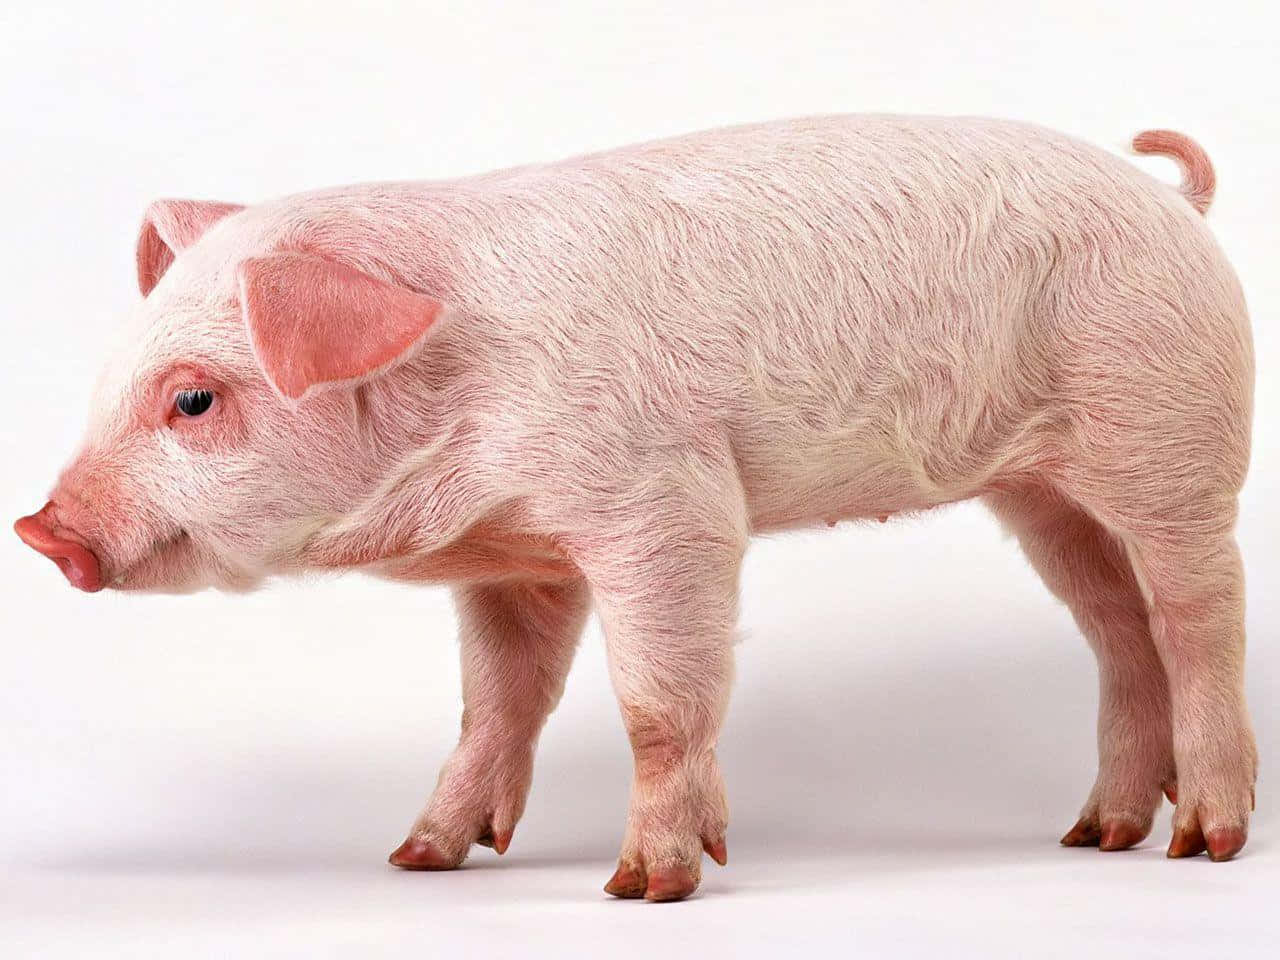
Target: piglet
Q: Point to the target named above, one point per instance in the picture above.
(590, 383)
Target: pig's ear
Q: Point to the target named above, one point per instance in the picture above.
(313, 322)
(168, 228)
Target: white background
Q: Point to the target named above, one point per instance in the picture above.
(912, 724)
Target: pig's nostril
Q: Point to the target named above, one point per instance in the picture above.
(76, 561)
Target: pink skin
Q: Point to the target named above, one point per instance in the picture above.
(599, 378)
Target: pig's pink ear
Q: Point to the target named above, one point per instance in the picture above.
(168, 228)
(313, 322)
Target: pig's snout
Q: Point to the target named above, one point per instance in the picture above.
(76, 561)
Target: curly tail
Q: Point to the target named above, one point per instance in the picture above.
(1198, 180)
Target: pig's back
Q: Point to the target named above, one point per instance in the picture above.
(868, 304)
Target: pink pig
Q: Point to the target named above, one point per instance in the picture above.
(595, 380)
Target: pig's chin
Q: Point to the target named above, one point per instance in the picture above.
(171, 565)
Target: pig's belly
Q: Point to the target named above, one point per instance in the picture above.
(781, 502)
(790, 486)
(868, 472)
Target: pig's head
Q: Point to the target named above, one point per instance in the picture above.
(232, 418)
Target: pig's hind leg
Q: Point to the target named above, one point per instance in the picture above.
(1088, 569)
(517, 643)
(1192, 577)
(1161, 454)
(1189, 573)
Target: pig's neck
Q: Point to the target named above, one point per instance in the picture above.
(422, 481)
(427, 480)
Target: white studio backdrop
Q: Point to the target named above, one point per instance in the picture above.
(912, 722)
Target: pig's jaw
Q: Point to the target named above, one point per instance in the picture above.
(178, 564)
(173, 564)
(159, 568)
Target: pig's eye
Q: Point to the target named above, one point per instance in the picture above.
(192, 403)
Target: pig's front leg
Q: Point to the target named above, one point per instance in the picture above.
(517, 642)
(667, 599)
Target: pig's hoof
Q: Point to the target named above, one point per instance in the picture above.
(1086, 833)
(670, 883)
(1221, 843)
(1225, 843)
(1186, 842)
(716, 850)
(1120, 835)
(1223, 839)
(631, 882)
(627, 882)
(418, 854)
(1108, 836)
(498, 842)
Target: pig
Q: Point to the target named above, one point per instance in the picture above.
(588, 384)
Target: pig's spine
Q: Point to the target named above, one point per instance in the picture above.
(1198, 180)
